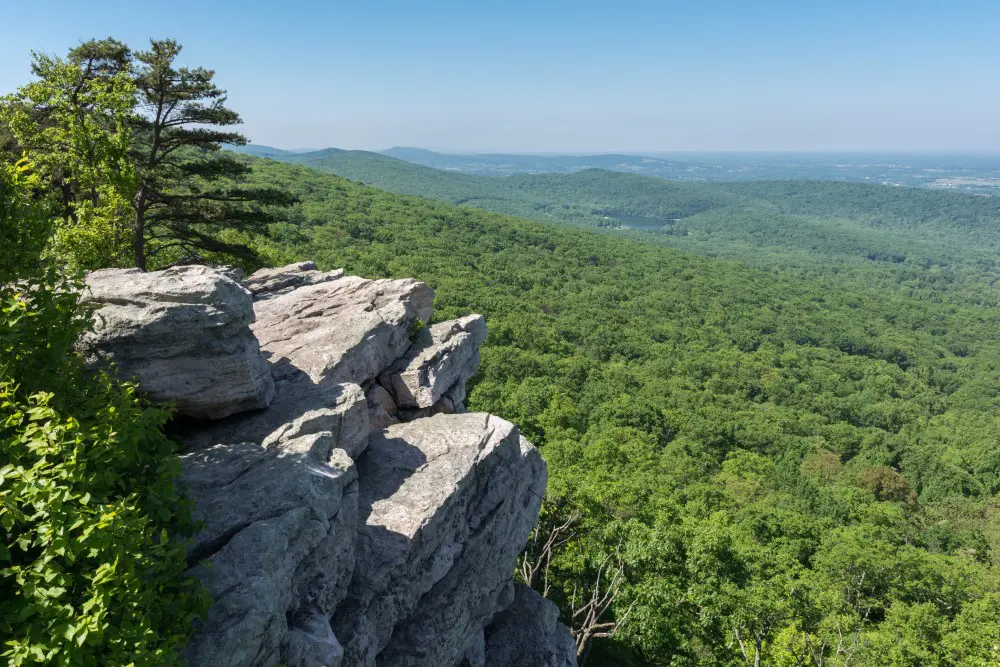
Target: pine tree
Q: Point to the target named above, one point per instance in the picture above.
(190, 199)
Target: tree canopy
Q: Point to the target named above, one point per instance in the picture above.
(130, 145)
(187, 195)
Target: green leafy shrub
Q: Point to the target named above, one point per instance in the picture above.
(24, 227)
(92, 568)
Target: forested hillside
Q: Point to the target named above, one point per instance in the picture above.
(583, 198)
(972, 172)
(505, 164)
(813, 225)
(786, 464)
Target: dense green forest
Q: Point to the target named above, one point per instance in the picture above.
(772, 426)
(796, 464)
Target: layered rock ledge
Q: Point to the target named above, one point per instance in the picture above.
(353, 513)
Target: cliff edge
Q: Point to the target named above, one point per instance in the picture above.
(353, 513)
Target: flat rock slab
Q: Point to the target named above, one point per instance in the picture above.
(446, 505)
(345, 330)
(268, 283)
(183, 334)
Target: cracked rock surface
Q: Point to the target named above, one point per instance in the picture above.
(447, 504)
(345, 330)
(276, 551)
(268, 283)
(342, 525)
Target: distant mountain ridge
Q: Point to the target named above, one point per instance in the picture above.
(849, 221)
(505, 164)
(584, 197)
(258, 150)
(491, 164)
(978, 174)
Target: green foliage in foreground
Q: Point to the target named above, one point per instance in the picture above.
(799, 467)
(25, 230)
(92, 569)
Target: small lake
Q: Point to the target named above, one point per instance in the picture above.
(639, 223)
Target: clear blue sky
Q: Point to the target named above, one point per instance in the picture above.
(881, 75)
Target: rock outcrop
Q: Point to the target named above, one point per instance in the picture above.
(343, 524)
(183, 334)
(441, 358)
(447, 504)
(528, 632)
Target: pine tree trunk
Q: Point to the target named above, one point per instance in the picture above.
(139, 244)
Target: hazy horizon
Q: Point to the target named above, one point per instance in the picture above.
(913, 153)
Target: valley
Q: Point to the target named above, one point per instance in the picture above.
(805, 224)
(970, 173)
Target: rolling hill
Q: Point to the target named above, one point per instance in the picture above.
(261, 151)
(807, 224)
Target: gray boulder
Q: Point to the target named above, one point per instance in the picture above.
(183, 334)
(346, 330)
(446, 505)
(268, 283)
(528, 633)
(442, 357)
